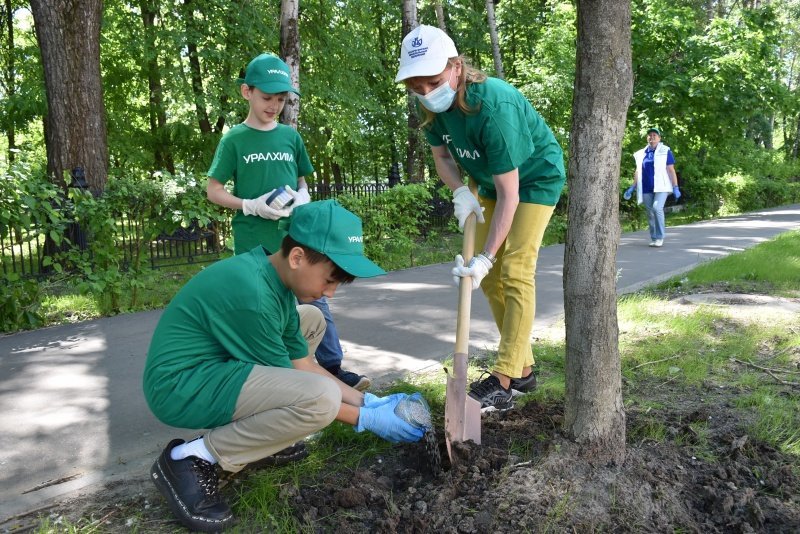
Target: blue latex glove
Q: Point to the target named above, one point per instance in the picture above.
(676, 191)
(629, 192)
(373, 401)
(383, 422)
(478, 268)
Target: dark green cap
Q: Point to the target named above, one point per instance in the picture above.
(269, 74)
(655, 131)
(330, 229)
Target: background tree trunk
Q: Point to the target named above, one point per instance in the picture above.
(440, 15)
(75, 134)
(9, 74)
(492, 21)
(415, 157)
(162, 151)
(290, 50)
(594, 413)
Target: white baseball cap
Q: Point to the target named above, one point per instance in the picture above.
(424, 52)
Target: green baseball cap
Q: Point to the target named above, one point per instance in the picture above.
(269, 74)
(330, 229)
(655, 131)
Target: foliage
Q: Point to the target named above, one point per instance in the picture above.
(391, 219)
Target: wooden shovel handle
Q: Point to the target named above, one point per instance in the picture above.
(465, 288)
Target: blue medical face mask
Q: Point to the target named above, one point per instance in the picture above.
(441, 98)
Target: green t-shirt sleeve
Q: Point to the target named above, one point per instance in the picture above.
(506, 138)
(224, 163)
(433, 136)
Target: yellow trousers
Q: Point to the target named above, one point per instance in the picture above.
(510, 286)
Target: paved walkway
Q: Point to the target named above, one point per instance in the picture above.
(73, 414)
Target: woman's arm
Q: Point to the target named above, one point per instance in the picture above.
(507, 187)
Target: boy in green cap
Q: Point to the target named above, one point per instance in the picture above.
(234, 354)
(259, 156)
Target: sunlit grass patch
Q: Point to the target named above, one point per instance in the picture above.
(771, 267)
(777, 420)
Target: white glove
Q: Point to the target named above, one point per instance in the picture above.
(465, 203)
(478, 267)
(301, 196)
(258, 206)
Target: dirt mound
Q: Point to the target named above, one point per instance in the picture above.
(746, 487)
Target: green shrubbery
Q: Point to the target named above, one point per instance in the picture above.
(51, 226)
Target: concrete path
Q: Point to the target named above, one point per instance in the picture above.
(73, 414)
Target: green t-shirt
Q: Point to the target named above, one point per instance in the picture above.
(259, 161)
(504, 133)
(230, 316)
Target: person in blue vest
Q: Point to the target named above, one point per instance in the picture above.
(653, 180)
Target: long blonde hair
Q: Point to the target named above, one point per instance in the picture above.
(469, 75)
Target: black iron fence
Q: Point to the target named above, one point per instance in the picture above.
(25, 251)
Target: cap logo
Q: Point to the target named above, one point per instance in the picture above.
(277, 71)
(355, 239)
(416, 41)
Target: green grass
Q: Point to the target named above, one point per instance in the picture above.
(772, 267)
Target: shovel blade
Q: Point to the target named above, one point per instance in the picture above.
(462, 414)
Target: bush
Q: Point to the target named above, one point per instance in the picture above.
(391, 220)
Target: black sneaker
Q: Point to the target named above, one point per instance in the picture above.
(491, 394)
(354, 380)
(292, 453)
(521, 386)
(191, 489)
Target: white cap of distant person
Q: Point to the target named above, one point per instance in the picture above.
(424, 52)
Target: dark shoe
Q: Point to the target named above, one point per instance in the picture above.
(354, 380)
(292, 453)
(521, 386)
(191, 489)
(491, 394)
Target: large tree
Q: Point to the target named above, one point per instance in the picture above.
(75, 126)
(594, 413)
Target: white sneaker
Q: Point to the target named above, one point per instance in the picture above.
(657, 243)
(653, 243)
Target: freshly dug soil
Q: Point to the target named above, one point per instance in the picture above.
(661, 487)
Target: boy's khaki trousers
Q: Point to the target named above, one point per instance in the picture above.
(277, 407)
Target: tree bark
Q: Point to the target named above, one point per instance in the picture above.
(440, 15)
(195, 70)
(162, 153)
(290, 50)
(594, 413)
(492, 22)
(415, 166)
(68, 34)
(9, 76)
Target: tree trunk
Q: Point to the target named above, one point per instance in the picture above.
(492, 21)
(414, 149)
(594, 413)
(290, 50)
(440, 15)
(195, 71)
(162, 153)
(9, 77)
(69, 41)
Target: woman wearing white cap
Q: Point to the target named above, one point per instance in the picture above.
(491, 130)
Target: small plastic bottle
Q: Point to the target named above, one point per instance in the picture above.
(279, 199)
(415, 411)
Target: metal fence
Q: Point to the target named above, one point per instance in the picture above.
(23, 250)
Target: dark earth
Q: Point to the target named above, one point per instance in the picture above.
(525, 478)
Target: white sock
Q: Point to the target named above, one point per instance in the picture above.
(196, 447)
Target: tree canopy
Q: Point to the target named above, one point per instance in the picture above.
(719, 78)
